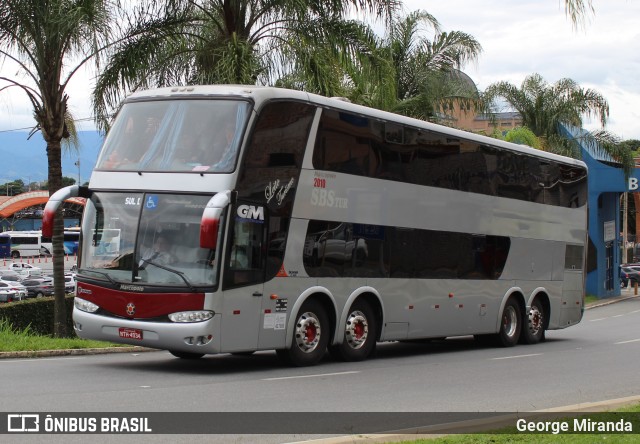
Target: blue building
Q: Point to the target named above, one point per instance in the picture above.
(607, 182)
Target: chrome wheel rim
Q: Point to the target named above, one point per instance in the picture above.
(357, 330)
(535, 320)
(308, 332)
(510, 321)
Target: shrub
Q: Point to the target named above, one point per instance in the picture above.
(36, 315)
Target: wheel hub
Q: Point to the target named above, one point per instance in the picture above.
(357, 330)
(308, 332)
(535, 320)
(510, 321)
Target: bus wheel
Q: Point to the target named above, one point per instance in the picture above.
(510, 324)
(534, 330)
(310, 336)
(15, 254)
(359, 336)
(186, 355)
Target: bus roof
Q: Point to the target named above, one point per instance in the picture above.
(259, 94)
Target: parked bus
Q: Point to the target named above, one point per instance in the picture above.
(71, 240)
(5, 245)
(302, 223)
(24, 243)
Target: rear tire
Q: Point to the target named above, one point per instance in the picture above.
(359, 339)
(310, 336)
(510, 324)
(534, 324)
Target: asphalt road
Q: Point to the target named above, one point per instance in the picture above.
(594, 361)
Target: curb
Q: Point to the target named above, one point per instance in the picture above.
(73, 352)
(609, 301)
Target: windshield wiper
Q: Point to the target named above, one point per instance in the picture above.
(109, 278)
(170, 270)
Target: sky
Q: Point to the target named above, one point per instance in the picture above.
(522, 37)
(519, 38)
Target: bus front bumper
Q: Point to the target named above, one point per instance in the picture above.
(192, 337)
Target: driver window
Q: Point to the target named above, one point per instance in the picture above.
(245, 252)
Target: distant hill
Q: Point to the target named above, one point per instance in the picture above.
(27, 159)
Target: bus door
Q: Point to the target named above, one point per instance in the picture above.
(243, 278)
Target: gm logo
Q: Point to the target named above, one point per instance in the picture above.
(251, 212)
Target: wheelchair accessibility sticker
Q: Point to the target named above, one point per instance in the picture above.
(152, 202)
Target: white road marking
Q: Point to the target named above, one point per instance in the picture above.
(310, 376)
(517, 356)
(626, 342)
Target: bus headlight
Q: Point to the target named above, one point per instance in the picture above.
(84, 305)
(191, 316)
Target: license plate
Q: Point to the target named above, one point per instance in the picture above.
(130, 333)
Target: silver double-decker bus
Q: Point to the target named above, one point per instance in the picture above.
(299, 223)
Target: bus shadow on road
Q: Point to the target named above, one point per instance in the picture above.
(223, 364)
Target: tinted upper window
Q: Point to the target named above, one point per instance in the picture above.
(364, 146)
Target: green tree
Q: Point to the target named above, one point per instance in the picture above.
(49, 41)
(544, 108)
(239, 42)
(412, 70)
(520, 135)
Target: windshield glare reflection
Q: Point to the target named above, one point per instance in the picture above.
(175, 135)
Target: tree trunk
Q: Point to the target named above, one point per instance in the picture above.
(54, 155)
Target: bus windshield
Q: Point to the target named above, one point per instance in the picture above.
(175, 135)
(147, 239)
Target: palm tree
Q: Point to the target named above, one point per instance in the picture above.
(421, 75)
(229, 41)
(577, 10)
(48, 42)
(544, 108)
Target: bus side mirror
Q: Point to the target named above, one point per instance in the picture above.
(210, 222)
(54, 203)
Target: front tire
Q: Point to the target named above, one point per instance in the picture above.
(359, 339)
(310, 336)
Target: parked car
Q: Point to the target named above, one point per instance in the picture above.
(70, 283)
(10, 275)
(25, 269)
(21, 290)
(7, 294)
(624, 278)
(38, 287)
(633, 275)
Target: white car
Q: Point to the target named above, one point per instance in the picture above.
(25, 269)
(70, 283)
(7, 294)
(21, 290)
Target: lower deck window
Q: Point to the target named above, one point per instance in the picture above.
(337, 249)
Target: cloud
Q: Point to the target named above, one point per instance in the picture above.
(534, 36)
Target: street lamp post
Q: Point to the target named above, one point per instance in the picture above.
(78, 165)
